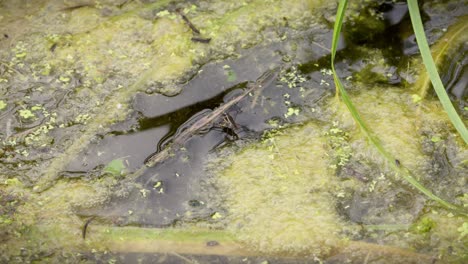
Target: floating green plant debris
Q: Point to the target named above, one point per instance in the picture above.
(341, 151)
(463, 230)
(292, 77)
(231, 76)
(115, 167)
(292, 111)
(26, 113)
(3, 105)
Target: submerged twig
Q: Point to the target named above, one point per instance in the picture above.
(320, 46)
(256, 95)
(12, 69)
(193, 28)
(184, 258)
(182, 137)
(187, 21)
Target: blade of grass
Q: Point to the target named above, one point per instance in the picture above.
(336, 36)
(400, 170)
(432, 70)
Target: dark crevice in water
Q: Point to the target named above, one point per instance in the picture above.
(380, 33)
(177, 118)
(455, 76)
(315, 65)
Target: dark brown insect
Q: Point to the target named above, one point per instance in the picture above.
(124, 3)
(230, 121)
(397, 162)
(71, 8)
(85, 227)
(53, 47)
(201, 40)
(212, 243)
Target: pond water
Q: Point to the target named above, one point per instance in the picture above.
(209, 132)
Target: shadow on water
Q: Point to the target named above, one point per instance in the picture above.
(455, 77)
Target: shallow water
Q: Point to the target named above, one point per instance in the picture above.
(284, 176)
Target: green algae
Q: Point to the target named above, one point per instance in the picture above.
(410, 142)
(294, 197)
(159, 51)
(97, 64)
(415, 126)
(280, 195)
(400, 170)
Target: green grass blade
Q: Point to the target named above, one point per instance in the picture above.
(336, 36)
(337, 28)
(400, 170)
(432, 70)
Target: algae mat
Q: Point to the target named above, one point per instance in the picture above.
(280, 195)
(88, 89)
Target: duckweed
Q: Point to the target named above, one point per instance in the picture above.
(26, 113)
(3, 105)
